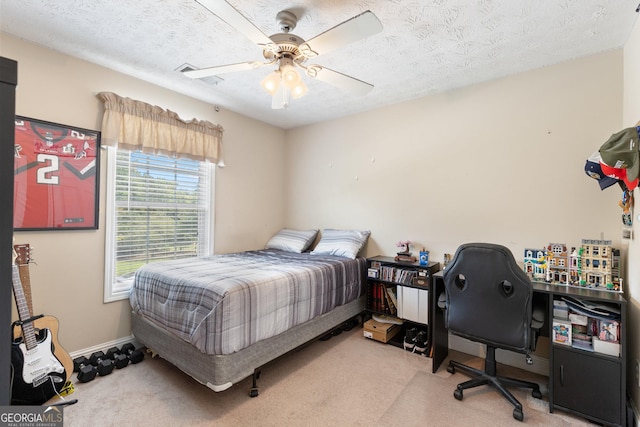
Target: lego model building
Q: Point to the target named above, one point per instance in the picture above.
(593, 265)
(535, 263)
(599, 265)
(557, 263)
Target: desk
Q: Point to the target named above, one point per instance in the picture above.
(588, 384)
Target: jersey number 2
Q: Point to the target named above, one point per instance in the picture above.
(46, 173)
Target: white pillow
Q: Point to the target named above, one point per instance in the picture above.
(292, 240)
(345, 243)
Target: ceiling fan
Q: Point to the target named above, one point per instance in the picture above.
(288, 52)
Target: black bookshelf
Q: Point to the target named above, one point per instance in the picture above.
(420, 281)
(8, 82)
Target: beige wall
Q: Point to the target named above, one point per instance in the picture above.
(67, 280)
(631, 115)
(501, 161)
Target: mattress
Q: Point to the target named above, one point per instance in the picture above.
(222, 304)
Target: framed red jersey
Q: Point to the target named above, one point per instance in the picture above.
(56, 176)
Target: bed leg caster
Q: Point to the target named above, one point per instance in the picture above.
(253, 392)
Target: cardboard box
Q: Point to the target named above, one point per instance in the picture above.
(379, 331)
(606, 347)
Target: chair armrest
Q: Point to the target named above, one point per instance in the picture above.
(442, 300)
(537, 317)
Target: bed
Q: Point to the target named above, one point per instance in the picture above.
(221, 318)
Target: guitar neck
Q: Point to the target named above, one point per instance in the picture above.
(24, 314)
(25, 279)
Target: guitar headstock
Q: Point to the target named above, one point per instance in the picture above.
(22, 253)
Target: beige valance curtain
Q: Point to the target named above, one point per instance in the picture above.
(135, 125)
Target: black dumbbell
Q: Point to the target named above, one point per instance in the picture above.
(86, 371)
(120, 360)
(102, 363)
(135, 356)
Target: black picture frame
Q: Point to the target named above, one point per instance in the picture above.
(56, 176)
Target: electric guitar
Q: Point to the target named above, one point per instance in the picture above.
(37, 373)
(23, 252)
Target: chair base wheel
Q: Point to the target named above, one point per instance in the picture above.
(536, 394)
(457, 393)
(451, 369)
(253, 392)
(517, 414)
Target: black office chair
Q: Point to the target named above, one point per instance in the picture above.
(489, 300)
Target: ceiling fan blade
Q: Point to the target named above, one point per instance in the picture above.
(357, 28)
(221, 69)
(231, 16)
(339, 80)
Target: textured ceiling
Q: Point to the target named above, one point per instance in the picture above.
(426, 46)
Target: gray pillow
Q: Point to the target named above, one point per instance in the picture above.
(345, 243)
(292, 240)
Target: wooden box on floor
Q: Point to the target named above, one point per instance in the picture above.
(379, 331)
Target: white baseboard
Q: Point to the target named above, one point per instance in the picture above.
(511, 358)
(103, 347)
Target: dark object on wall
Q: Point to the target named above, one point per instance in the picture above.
(8, 82)
(56, 173)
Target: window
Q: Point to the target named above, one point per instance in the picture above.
(158, 209)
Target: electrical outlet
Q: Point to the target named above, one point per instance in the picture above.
(638, 372)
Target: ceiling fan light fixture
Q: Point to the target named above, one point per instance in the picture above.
(292, 79)
(283, 84)
(299, 90)
(290, 75)
(271, 83)
(290, 51)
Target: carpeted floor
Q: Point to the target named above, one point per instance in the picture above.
(345, 381)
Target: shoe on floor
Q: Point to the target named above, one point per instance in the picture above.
(421, 342)
(410, 339)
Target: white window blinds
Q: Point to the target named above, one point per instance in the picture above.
(161, 212)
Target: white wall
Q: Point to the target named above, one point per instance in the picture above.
(67, 280)
(501, 162)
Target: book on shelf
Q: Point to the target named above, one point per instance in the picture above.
(608, 330)
(387, 295)
(561, 330)
(392, 295)
(380, 297)
(398, 275)
(582, 344)
(376, 297)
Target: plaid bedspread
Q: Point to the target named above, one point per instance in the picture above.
(224, 303)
